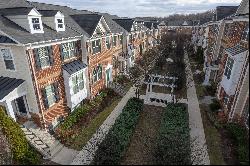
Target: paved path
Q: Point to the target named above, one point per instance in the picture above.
(199, 148)
(86, 155)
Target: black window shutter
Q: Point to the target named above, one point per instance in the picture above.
(56, 90)
(51, 58)
(61, 52)
(37, 59)
(45, 100)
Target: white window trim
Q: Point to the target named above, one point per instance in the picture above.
(226, 66)
(31, 25)
(83, 80)
(12, 59)
(95, 45)
(69, 52)
(44, 67)
(53, 93)
(63, 23)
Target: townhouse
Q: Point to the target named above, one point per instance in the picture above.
(225, 41)
(54, 57)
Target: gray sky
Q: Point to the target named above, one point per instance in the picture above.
(134, 8)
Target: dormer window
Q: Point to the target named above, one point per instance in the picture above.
(36, 24)
(60, 23)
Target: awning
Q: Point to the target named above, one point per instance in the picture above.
(74, 66)
(7, 85)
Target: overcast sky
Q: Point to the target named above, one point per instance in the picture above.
(134, 8)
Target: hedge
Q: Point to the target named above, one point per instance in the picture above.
(21, 150)
(113, 147)
(173, 140)
(240, 136)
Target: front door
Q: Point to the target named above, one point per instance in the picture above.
(21, 105)
(108, 75)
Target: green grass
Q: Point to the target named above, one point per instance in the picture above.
(213, 139)
(86, 133)
(200, 90)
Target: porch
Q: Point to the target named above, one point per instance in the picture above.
(13, 98)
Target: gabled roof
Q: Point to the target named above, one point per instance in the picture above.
(149, 25)
(13, 3)
(74, 66)
(16, 11)
(88, 22)
(243, 8)
(236, 50)
(7, 85)
(224, 11)
(5, 39)
(114, 27)
(125, 23)
(48, 13)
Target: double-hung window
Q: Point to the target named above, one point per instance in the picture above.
(121, 39)
(44, 58)
(229, 67)
(60, 23)
(97, 73)
(114, 41)
(68, 50)
(36, 24)
(78, 82)
(96, 46)
(108, 44)
(50, 95)
(8, 59)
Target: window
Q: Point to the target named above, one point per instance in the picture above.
(121, 39)
(78, 82)
(229, 67)
(8, 59)
(36, 23)
(50, 95)
(108, 44)
(44, 59)
(68, 50)
(96, 46)
(245, 35)
(114, 41)
(60, 23)
(97, 73)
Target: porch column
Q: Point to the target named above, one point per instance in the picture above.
(10, 110)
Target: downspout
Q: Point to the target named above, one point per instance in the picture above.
(35, 84)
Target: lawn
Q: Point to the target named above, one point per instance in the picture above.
(143, 142)
(213, 138)
(87, 131)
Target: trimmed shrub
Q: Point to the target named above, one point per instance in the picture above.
(173, 141)
(113, 147)
(22, 152)
(215, 105)
(240, 136)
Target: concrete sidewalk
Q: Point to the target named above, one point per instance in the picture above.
(199, 151)
(86, 155)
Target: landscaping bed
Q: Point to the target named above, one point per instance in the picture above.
(82, 123)
(124, 81)
(114, 145)
(23, 153)
(173, 142)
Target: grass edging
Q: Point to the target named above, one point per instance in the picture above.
(173, 141)
(116, 141)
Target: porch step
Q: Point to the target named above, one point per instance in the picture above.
(42, 140)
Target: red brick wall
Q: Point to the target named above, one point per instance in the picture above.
(104, 58)
(46, 77)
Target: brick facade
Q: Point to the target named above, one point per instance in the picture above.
(46, 77)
